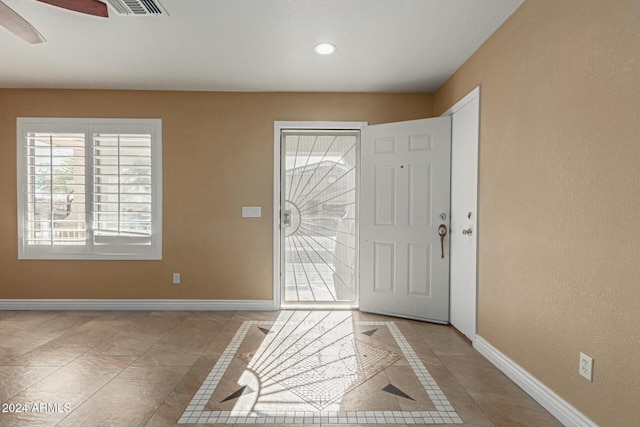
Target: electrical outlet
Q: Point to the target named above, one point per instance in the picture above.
(586, 366)
(176, 278)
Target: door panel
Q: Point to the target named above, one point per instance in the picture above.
(385, 195)
(405, 187)
(419, 269)
(419, 185)
(384, 259)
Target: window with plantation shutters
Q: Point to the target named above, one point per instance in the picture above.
(89, 188)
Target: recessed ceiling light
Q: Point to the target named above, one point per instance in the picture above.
(324, 48)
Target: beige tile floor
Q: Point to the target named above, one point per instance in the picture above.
(78, 368)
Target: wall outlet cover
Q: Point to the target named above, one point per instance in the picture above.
(586, 366)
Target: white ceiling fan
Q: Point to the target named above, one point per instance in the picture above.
(19, 26)
(15, 23)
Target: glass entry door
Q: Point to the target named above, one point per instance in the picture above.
(319, 178)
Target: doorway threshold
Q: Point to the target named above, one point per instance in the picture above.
(318, 306)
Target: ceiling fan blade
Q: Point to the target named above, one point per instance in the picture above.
(89, 7)
(18, 25)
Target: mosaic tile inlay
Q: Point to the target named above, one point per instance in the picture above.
(304, 367)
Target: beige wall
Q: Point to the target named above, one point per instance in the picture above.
(217, 157)
(559, 231)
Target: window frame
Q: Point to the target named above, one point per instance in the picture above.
(89, 250)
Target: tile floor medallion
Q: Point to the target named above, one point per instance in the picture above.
(319, 367)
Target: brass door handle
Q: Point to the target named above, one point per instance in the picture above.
(442, 231)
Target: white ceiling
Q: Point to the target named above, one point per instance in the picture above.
(253, 45)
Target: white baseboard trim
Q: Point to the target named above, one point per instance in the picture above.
(559, 408)
(136, 304)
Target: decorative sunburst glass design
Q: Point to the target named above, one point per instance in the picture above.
(319, 216)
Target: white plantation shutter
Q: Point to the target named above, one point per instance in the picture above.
(55, 189)
(90, 189)
(122, 189)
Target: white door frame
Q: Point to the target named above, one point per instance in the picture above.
(470, 298)
(279, 126)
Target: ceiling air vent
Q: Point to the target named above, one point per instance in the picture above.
(137, 7)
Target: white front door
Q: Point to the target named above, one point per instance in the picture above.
(404, 202)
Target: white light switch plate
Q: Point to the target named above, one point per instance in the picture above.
(251, 211)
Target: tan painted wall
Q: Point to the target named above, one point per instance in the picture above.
(217, 155)
(559, 231)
